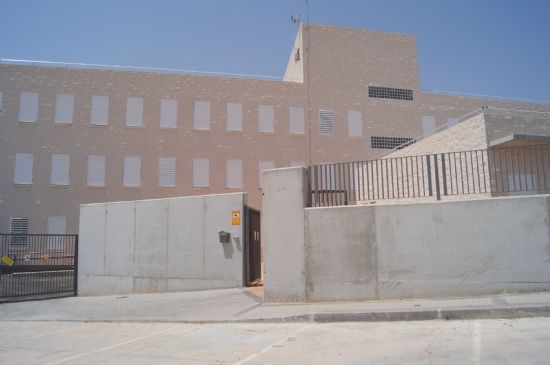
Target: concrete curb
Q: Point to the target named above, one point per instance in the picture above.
(390, 316)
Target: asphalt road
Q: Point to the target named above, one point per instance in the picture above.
(517, 341)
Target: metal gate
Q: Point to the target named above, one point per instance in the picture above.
(253, 252)
(37, 266)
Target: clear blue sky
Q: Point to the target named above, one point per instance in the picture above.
(494, 47)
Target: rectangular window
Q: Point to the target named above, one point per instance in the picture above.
(168, 114)
(264, 165)
(390, 93)
(428, 126)
(167, 172)
(57, 225)
(60, 169)
(100, 110)
(132, 171)
(326, 122)
(19, 226)
(234, 117)
(134, 112)
(64, 107)
(28, 108)
(297, 163)
(201, 173)
(355, 124)
(265, 118)
(234, 174)
(23, 168)
(296, 120)
(451, 122)
(96, 170)
(1, 101)
(390, 143)
(201, 118)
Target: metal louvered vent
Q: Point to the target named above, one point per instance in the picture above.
(390, 143)
(326, 122)
(390, 93)
(19, 226)
(167, 172)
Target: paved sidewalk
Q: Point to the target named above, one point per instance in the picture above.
(244, 305)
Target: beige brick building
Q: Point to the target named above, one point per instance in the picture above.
(73, 135)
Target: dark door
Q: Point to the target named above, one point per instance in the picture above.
(254, 248)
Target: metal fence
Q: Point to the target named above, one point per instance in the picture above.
(38, 265)
(453, 175)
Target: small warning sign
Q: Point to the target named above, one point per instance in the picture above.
(27, 258)
(7, 260)
(236, 217)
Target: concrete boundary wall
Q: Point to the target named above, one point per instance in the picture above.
(160, 245)
(395, 251)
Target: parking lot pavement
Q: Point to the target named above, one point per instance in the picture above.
(517, 341)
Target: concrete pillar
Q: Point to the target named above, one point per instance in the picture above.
(284, 198)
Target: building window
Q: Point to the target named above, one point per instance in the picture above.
(201, 173)
(264, 165)
(60, 169)
(234, 117)
(355, 124)
(96, 170)
(297, 163)
(28, 108)
(132, 171)
(201, 119)
(100, 110)
(134, 112)
(168, 114)
(451, 122)
(19, 227)
(64, 107)
(1, 101)
(167, 172)
(326, 122)
(296, 120)
(234, 174)
(428, 126)
(391, 143)
(265, 118)
(23, 168)
(390, 93)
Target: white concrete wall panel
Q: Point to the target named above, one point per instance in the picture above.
(119, 238)
(91, 244)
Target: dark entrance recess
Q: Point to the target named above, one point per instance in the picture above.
(36, 266)
(253, 251)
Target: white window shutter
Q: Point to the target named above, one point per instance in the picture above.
(201, 113)
(297, 163)
(234, 117)
(168, 113)
(326, 122)
(132, 171)
(1, 101)
(23, 168)
(201, 173)
(296, 120)
(234, 174)
(64, 108)
(451, 122)
(167, 172)
(28, 107)
(428, 125)
(96, 170)
(60, 169)
(265, 118)
(134, 112)
(100, 110)
(57, 225)
(264, 165)
(355, 124)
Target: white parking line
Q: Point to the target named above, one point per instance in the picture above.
(265, 349)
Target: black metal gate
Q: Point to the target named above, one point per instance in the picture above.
(37, 266)
(253, 253)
